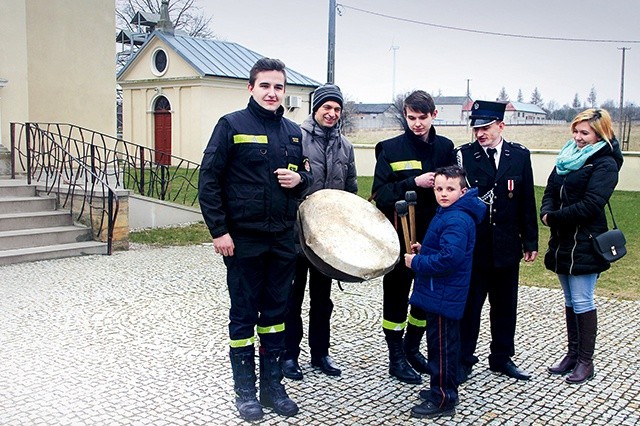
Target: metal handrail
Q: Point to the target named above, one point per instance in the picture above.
(87, 195)
(103, 160)
(123, 164)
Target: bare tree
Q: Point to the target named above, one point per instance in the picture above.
(536, 98)
(347, 116)
(503, 96)
(186, 15)
(576, 101)
(398, 102)
(591, 99)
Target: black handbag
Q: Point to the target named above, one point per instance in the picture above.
(611, 244)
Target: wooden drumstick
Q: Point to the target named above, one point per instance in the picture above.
(401, 209)
(411, 197)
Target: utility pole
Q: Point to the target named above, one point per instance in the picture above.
(331, 60)
(468, 92)
(624, 49)
(393, 83)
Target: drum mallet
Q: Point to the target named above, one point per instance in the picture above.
(411, 197)
(402, 210)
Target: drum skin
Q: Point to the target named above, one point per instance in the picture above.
(346, 237)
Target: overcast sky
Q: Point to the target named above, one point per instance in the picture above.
(442, 60)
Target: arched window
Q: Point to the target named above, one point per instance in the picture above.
(162, 104)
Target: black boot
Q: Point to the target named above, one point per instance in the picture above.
(398, 365)
(243, 366)
(568, 362)
(412, 339)
(272, 392)
(587, 329)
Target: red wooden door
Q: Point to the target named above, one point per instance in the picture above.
(162, 121)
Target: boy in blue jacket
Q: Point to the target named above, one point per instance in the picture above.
(442, 269)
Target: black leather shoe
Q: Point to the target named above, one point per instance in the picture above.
(511, 370)
(427, 410)
(291, 369)
(424, 395)
(326, 365)
(401, 370)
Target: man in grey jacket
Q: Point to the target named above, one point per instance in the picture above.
(332, 162)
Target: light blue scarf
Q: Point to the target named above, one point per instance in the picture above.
(572, 158)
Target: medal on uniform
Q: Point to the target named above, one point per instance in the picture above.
(510, 185)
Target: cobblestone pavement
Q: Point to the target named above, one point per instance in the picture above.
(140, 337)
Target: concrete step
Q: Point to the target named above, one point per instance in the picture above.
(36, 237)
(57, 251)
(16, 188)
(15, 221)
(26, 204)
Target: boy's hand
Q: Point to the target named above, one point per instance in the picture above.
(415, 248)
(407, 260)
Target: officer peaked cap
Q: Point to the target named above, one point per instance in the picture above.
(484, 113)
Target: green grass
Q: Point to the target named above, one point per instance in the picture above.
(196, 233)
(618, 282)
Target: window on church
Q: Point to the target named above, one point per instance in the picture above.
(160, 61)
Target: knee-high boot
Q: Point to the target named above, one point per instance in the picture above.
(272, 392)
(587, 329)
(398, 365)
(568, 362)
(243, 366)
(412, 339)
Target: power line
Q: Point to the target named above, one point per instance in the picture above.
(447, 27)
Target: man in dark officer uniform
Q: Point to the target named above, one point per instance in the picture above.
(407, 163)
(501, 171)
(252, 174)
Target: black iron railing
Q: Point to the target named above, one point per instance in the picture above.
(123, 164)
(86, 194)
(45, 150)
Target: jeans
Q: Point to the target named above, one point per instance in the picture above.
(578, 291)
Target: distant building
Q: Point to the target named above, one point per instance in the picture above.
(516, 113)
(176, 87)
(450, 108)
(374, 116)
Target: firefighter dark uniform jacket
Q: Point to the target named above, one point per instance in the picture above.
(238, 189)
(510, 226)
(398, 161)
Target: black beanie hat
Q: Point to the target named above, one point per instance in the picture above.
(327, 92)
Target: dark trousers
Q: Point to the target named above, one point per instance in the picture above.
(501, 285)
(320, 309)
(259, 277)
(396, 286)
(443, 340)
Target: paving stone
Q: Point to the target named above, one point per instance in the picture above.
(140, 337)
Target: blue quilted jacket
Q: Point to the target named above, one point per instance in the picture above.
(443, 267)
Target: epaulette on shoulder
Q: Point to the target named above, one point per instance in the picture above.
(517, 145)
(463, 146)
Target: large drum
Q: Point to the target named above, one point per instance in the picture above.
(345, 237)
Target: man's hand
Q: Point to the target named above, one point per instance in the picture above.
(530, 256)
(425, 180)
(287, 178)
(224, 245)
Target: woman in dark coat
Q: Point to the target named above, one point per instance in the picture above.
(573, 206)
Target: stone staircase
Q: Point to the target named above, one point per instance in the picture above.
(32, 229)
